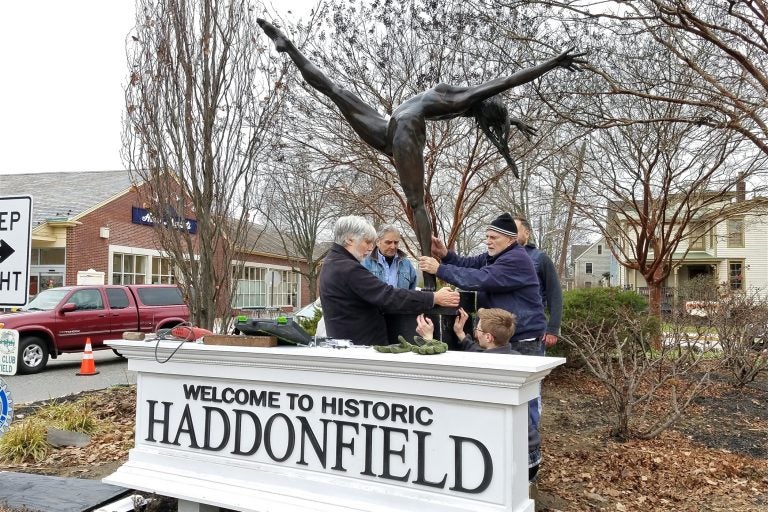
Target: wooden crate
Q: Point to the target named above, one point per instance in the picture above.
(238, 340)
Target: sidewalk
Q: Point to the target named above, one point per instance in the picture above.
(55, 494)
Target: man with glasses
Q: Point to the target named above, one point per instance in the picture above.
(503, 277)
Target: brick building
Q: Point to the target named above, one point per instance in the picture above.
(95, 221)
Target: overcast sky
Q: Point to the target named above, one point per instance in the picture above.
(64, 69)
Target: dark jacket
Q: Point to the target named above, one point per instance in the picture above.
(406, 274)
(468, 344)
(549, 286)
(353, 299)
(507, 281)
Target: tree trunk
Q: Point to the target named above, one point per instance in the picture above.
(654, 308)
(569, 222)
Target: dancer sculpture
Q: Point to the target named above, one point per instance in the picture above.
(402, 136)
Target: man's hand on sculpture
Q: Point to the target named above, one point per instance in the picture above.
(438, 248)
(570, 61)
(446, 297)
(428, 264)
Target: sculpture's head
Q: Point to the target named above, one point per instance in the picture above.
(492, 117)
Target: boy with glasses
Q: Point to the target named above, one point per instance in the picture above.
(493, 331)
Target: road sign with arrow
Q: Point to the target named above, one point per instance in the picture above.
(15, 246)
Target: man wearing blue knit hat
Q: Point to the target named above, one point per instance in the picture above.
(503, 277)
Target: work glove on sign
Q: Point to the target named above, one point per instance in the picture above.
(419, 346)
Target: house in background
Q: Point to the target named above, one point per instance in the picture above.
(730, 247)
(591, 265)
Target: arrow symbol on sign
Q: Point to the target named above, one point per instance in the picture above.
(5, 251)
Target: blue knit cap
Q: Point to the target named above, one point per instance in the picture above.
(505, 225)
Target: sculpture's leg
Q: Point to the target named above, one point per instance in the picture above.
(408, 136)
(366, 121)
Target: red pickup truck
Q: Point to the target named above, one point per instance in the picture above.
(59, 320)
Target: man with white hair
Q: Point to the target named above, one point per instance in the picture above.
(388, 262)
(354, 299)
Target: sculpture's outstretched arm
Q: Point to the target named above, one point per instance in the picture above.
(465, 97)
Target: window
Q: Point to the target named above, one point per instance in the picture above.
(117, 298)
(697, 236)
(47, 256)
(162, 271)
(599, 250)
(261, 287)
(160, 296)
(587, 284)
(588, 268)
(87, 299)
(736, 275)
(735, 232)
(128, 268)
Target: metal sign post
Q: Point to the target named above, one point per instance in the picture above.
(15, 247)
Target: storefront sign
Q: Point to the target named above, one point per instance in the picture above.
(329, 429)
(145, 217)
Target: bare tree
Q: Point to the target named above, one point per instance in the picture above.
(200, 105)
(665, 185)
(649, 389)
(723, 44)
(299, 201)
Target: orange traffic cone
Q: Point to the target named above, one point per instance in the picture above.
(87, 366)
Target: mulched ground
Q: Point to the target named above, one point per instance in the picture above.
(716, 459)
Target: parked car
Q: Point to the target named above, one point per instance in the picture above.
(60, 320)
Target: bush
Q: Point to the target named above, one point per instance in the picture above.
(25, 441)
(600, 310)
(310, 324)
(73, 416)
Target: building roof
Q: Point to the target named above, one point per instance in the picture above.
(578, 249)
(263, 240)
(64, 195)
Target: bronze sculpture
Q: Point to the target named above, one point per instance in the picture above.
(402, 136)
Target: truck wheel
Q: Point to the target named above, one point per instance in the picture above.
(33, 355)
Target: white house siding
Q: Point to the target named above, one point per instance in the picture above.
(754, 255)
(600, 264)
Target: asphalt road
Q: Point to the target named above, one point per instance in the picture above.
(60, 377)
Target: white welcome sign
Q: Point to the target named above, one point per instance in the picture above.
(316, 429)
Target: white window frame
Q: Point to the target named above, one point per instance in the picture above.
(261, 292)
(149, 254)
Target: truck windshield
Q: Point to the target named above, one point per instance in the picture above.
(46, 300)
